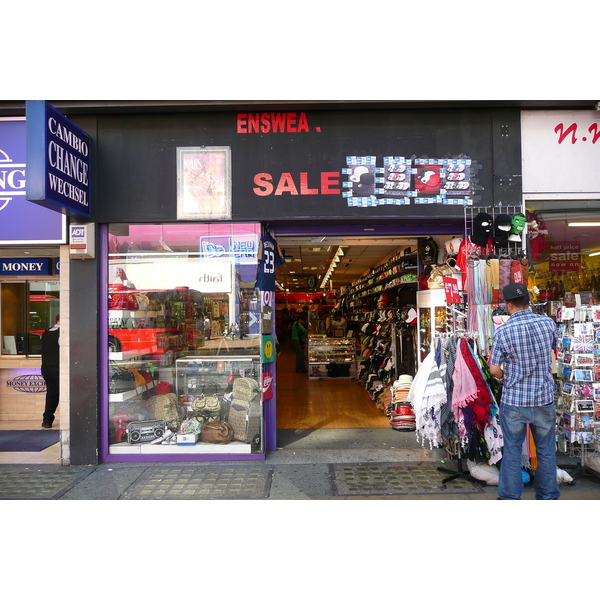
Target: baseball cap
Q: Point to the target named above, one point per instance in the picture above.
(515, 290)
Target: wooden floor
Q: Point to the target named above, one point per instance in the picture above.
(334, 403)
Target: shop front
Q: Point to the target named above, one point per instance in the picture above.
(200, 214)
(30, 287)
(193, 210)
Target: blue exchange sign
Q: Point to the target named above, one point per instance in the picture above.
(25, 266)
(58, 161)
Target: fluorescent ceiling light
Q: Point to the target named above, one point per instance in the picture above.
(594, 253)
(585, 224)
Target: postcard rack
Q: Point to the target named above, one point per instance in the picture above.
(578, 387)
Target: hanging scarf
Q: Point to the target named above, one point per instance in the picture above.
(483, 400)
(428, 421)
(417, 389)
(447, 423)
(494, 438)
(465, 387)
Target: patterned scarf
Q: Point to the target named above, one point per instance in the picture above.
(483, 400)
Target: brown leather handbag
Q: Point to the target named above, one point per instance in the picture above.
(216, 432)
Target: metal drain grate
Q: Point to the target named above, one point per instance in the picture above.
(209, 483)
(384, 479)
(40, 484)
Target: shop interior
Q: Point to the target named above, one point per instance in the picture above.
(321, 276)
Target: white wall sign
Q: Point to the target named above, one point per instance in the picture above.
(208, 277)
(561, 151)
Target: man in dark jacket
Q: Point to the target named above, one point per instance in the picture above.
(50, 371)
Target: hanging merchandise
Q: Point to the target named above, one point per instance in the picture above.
(428, 251)
(481, 234)
(518, 223)
(269, 256)
(452, 246)
(536, 233)
(453, 403)
(502, 230)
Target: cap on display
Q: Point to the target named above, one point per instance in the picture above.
(515, 290)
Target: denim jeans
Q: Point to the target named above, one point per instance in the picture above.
(542, 420)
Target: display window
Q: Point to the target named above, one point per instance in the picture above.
(28, 308)
(565, 255)
(184, 336)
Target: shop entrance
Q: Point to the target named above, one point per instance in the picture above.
(342, 400)
(27, 309)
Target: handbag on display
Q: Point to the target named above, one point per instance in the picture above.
(190, 426)
(140, 380)
(120, 380)
(245, 388)
(435, 280)
(167, 407)
(207, 406)
(217, 432)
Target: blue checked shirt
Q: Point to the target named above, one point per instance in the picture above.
(522, 348)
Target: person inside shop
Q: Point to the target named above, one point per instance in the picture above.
(338, 325)
(207, 327)
(50, 371)
(522, 359)
(299, 333)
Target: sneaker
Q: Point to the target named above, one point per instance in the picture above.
(46, 425)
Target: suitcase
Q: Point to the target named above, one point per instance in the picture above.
(244, 417)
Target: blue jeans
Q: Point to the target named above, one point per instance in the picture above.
(542, 420)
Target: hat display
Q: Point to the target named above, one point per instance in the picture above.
(502, 229)
(482, 229)
(428, 251)
(515, 290)
(452, 246)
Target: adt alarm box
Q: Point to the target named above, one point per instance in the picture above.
(81, 241)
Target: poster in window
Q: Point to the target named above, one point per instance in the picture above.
(204, 183)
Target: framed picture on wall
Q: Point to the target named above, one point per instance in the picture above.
(204, 183)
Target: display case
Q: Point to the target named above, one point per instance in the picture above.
(331, 357)
(203, 390)
(432, 319)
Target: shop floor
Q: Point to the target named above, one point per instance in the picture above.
(381, 479)
(39, 482)
(208, 483)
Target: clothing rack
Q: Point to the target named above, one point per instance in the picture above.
(435, 425)
(460, 472)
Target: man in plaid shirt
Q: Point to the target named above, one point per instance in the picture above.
(521, 358)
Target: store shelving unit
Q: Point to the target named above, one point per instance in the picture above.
(330, 357)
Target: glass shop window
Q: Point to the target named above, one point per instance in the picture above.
(184, 322)
(28, 309)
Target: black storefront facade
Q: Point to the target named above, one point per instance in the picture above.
(301, 169)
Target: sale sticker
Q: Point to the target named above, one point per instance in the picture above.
(451, 290)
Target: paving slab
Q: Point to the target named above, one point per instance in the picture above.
(215, 482)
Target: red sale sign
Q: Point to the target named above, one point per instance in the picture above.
(451, 289)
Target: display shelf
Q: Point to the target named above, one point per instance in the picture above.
(330, 357)
(131, 394)
(578, 383)
(432, 319)
(233, 447)
(192, 379)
